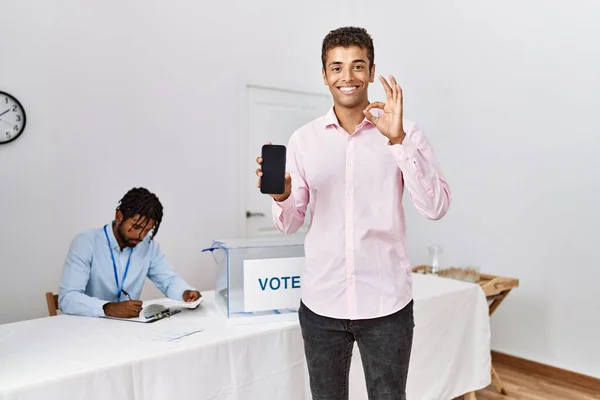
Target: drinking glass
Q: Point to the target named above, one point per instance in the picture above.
(435, 252)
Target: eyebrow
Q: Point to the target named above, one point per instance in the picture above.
(141, 226)
(359, 60)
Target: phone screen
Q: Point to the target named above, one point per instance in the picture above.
(273, 169)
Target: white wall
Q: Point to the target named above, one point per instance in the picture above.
(121, 94)
(138, 93)
(508, 94)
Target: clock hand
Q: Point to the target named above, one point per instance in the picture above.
(6, 122)
(5, 112)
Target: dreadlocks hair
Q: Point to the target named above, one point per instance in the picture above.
(140, 201)
(346, 37)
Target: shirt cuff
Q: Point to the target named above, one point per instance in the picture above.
(175, 292)
(405, 151)
(286, 204)
(98, 308)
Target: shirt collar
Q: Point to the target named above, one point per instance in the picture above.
(111, 237)
(330, 119)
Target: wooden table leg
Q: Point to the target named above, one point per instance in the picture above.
(470, 396)
(497, 382)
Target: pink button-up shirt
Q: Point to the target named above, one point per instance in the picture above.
(356, 264)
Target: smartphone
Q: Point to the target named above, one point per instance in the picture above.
(273, 169)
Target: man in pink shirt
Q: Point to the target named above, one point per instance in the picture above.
(352, 167)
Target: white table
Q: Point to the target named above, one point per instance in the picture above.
(67, 357)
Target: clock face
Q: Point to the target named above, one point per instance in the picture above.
(12, 118)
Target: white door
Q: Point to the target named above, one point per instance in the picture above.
(271, 115)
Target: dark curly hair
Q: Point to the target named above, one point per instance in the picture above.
(346, 37)
(140, 201)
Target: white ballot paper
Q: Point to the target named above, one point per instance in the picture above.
(154, 310)
(170, 303)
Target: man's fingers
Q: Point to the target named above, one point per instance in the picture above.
(373, 119)
(192, 296)
(133, 313)
(259, 159)
(135, 306)
(400, 95)
(394, 88)
(398, 99)
(376, 104)
(386, 86)
(259, 173)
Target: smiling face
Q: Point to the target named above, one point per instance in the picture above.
(347, 73)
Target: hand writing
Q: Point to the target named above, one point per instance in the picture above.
(123, 309)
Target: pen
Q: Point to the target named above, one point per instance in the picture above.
(126, 294)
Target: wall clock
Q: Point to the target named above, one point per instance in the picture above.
(12, 118)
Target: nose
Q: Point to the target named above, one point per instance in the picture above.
(347, 74)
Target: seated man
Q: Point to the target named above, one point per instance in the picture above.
(105, 268)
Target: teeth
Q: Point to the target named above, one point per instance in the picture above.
(348, 89)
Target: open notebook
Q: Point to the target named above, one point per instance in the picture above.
(154, 310)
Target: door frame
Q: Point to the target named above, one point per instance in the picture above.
(243, 134)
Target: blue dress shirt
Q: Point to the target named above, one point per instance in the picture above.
(88, 280)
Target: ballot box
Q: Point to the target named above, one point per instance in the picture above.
(258, 279)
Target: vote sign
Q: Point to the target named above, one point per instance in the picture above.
(272, 284)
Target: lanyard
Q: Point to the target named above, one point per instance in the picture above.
(119, 288)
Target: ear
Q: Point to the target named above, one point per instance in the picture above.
(372, 75)
(324, 76)
(118, 217)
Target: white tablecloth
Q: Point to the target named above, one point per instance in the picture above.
(69, 357)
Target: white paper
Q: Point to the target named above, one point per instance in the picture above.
(166, 302)
(171, 329)
(141, 318)
(169, 335)
(272, 284)
(170, 303)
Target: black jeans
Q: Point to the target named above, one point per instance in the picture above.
(384, 343)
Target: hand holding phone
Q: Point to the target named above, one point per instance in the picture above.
(272, 178)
